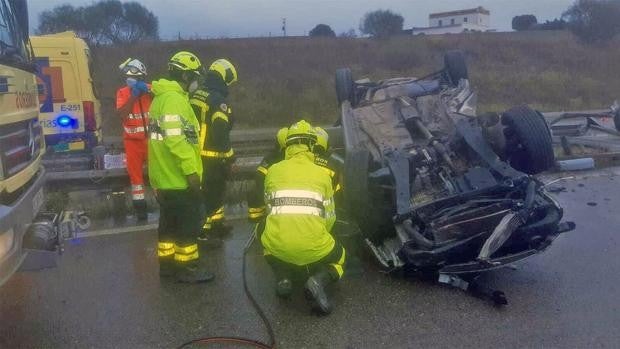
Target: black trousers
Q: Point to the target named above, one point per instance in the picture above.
(214, 187)
(333, 263)
(179, 217)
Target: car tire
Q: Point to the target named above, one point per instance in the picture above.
(344, 86)
(529, 147)
(455, 66)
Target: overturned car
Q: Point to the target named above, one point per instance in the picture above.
(448, 192)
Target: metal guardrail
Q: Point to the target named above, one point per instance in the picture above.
(249, 144)
(73, 170)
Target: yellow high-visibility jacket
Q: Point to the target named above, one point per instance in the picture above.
(174, 152)
(297, 193)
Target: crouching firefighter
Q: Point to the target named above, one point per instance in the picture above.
(132, 104)
(296, 238)
(175, 169)
(257, 209)
(209, 103)
(330, 162)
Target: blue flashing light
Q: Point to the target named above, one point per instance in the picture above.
(64, 121)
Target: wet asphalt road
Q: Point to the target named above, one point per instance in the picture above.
(106, 294)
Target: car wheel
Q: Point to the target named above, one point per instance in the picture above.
(455, 66)
(344, 85)
(528, 140)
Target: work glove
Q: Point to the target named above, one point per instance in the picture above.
(139, 88)
(193, 181)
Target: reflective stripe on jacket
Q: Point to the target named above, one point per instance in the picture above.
(297, 193)
(136, 123)
(174, 152)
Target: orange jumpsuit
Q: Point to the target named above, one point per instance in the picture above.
(135, 140)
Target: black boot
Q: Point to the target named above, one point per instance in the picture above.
(167, 266)
(139, 207)
(314, 291)
(284, 288)
(208, 239)
(193, 272)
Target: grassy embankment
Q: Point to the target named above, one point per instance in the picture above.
(284, 79)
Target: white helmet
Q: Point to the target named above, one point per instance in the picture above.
(133, 67)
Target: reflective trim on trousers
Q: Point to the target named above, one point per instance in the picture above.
(137, 192)
(217, 154)
(218, 215)
(185, 254)
(185, 257)
(339, 266)
(165, 249)
(135, 196)
(290, 209)
(256, 212)
(186, 249)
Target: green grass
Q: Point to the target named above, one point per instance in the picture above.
(284, 79)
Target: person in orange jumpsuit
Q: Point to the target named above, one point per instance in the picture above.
(132, 104)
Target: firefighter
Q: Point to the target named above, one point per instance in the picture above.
(296, 238)
(209, 104)
(327, 160)
(175, 169)
(132, 104)
(324, 157)
(256, 197)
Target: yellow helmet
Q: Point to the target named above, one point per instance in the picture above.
(322, 138)
(185, 61)
(301, 132)
(281, 137)
(226, 70)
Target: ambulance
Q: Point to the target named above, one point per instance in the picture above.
(70, 112)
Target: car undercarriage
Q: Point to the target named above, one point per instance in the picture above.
(448, 192)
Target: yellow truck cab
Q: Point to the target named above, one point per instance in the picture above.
(70, 111)
(21, 141)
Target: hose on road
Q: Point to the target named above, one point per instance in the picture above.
(240, 340)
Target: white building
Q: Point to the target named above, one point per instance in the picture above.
(453, 22)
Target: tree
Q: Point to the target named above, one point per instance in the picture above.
(104, 22)
(593, 21)
(524, 22)
(348, 34)
(322, 30)
(381, 23)
(556, 24)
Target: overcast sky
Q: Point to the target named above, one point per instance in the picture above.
(242, 18)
